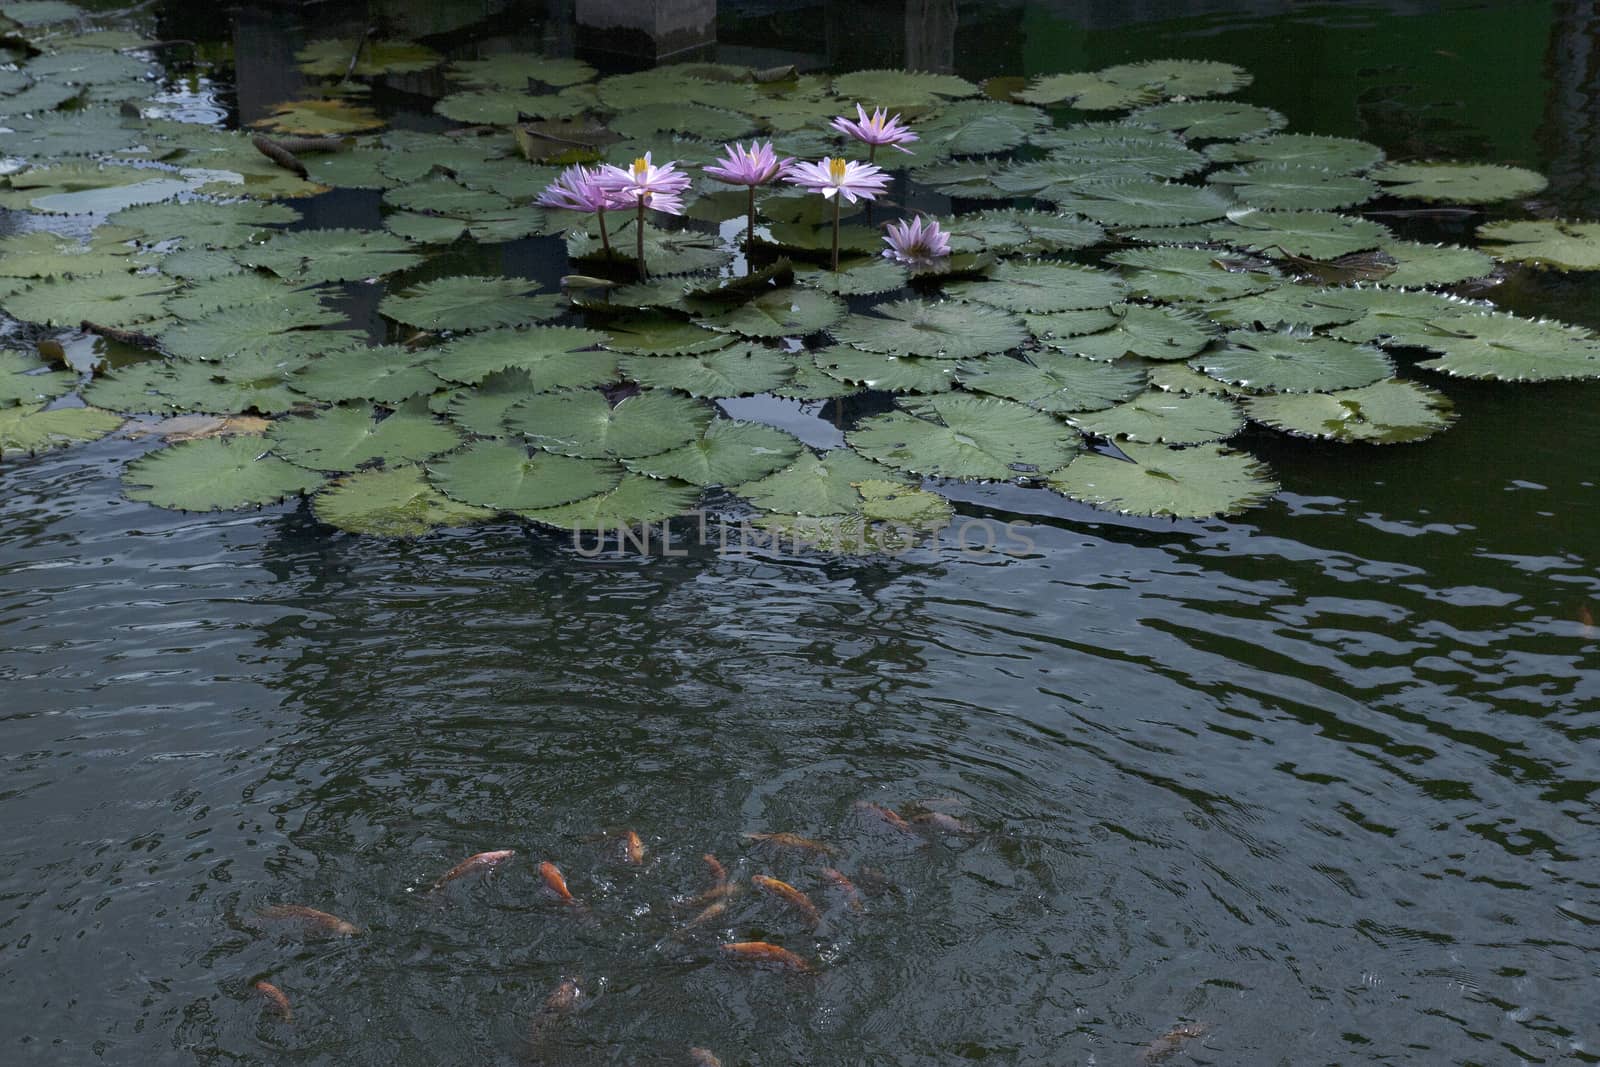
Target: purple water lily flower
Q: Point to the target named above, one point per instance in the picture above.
(839, 180)
(753, 166)
(917, 242)
(580, 188)
(876, 129)
(646, 185)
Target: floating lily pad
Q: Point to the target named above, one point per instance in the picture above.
(311, 256)
(818, 485)
(660, 334)
(249, 328)
(505, 477)
(216, 473)
(1291, 305)
(1014, 230)
(469, 303)
(1149, 157)
(1560, 243)
(1210, 120)
(810, 383)
(1158, 481)
(1153, 333)
(495, 107)
(1509, 348)
(636, 499)
(729, 452)
(393, 502)
(895, 374)
(1042, 287)
(1167, 418)
(1343, 154)
(1180, 77)
(692, 120)
(979, 127)
(903, 505)
(781, 313)
(1140, 203)
(960, 436)
(1458, 183)
(946, 330)
(1053, 382)
(1394, 317)
(1192, 274)
(1391, 412)
(1416, 265)
(42, 254)
(206, 224)
(1086, 92)
(387, 374)
(347, 437)
(112, 299)
(24, 380)
(30, 428)
(739, 370)
(901, 88)
(514, 70)
(317, 118)
(856, 278)
(1292, 186)
(167, 386)
(554, 357)
(585, 424)
(1294, 360)
(328, 58)
(1313, 234)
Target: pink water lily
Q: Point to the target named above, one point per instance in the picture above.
(916, 242)
(753, 166)
(839, 180)
(580, 188)
(647, 186)
(876, 129)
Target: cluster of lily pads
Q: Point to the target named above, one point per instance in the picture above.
(1124, 291)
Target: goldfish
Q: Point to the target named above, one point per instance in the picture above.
(555, 882)
(719, 873)
(564, 997)
(274, 995)
(715, 893)
(764, 952)
(310, 920)
(940, 821)
(891, 817)
(481, 861)
(1586, 620)
(633, 847)
(846, 886)
(786, 840)
(703, 1057)
(711, 912)
(791, 896)
(1172, 1041)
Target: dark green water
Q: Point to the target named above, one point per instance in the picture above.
(1322, 780)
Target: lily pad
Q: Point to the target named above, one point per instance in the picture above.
(1150, 332)
(505, 477)
(318, 118)
(1150, 157)
(1053, 382)
(251, 328)
(585, 424)
(901, 88)
(312, 256)
(1292, 186)
(1458, 183)
(346, 437)
(818, 485)
(636, 499)
(386, 374)
(1391, 412)
(1289, 305)
(1509, 348)
(739, 370)
(960, 436)
(1139, 202)
(856, 278)
(729, 452)
(1210, 120)
(781, 313)
(329, 58)
(167, 386)
(1192, 274)
(513, 70)
(946, 330)
(204, 224)
(24, 380)
(1166, 418)
(979, 127)
(216, 473)
(1561, 243)
(393, 502)
(1180, 77)
(554, 357)
(1015, 230)
(466, 302)
(661, 334)
(1043, 287)
(1294, 360)
(1158, 481)
(30, 428)
(1343, 154)
(112, 299)
(1417, 265)
(1086, 92)
(692, 120)
(895, 374)
(1313, 234)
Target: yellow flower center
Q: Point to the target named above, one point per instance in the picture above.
(640, 167)
(836, 170)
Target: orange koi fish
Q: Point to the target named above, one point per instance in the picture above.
(481, 861)
(310, 920)
(719, 873)
(763, 952)
(704, 917)
(845, 886)
(795, 841)
(564, 997)
(940, 821)
(891, 817)
(555, 882)
(791, 896)
(633, 848)
(1172, 1041)
(1586, 620)
(274, 995)
(703, 1057)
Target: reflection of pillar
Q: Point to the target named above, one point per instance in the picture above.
(931, 35)
(1568, 135)
(265, 70)
(652, 29)
(864, 34)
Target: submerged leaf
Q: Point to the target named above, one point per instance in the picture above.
(1158, 481)
(1391, 412)
(217, 473)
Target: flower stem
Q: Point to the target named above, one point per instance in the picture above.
(605, 238)
(750, 231)
(872, 153)
(837, 201)
(639, 245)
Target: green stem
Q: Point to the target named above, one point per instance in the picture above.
(872, 153)
(605, 238)
(837, 199)
(639, 235)
(750, 231)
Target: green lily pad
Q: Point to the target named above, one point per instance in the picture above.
(313, 256)
(1086, 92)
(1391, 412)
(960, 436)
(1289, 305)
(729, 452)
(1055, 327)
(1042, 287)
(1158, 481)
(1015, 230)
(386, 374)
(505, 477)
(1053, 382)
(1313, 234)
(903, 505)
(819, 485)
(1180, 77)
(493, 107)
(856, 277)
(21, 380)
(781, 313)
(41, 254)
(947, 330)
(1458, 183)
(346, 437)
(329, 58)
(968, 179)
(1210, 120)
(393, 502)
(900, 88)
(465, 302)
(215, 474)
(258, 327)
(895, 374)
(1294, 360)
(691, 120)
(1417, 265)
(1192, 274)
(554, 357)
(979, 127)
(319, 118)
(1561, 243)
(1394, 317)
(1294, 187)
(1165, 418)
(661, 334)
(1148, 157)
(636, 499)
(113, 299)
(241, 289)
(1150, 332)
(30, 428)
(585, 424)
(1343, 154)
(168, 386)
(1508, 348)
(808, 382)
(739, 370)
(211, 225)
(1139, 202)
(32, 13)
(513, 70)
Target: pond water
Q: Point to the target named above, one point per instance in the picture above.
(1318, 782)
